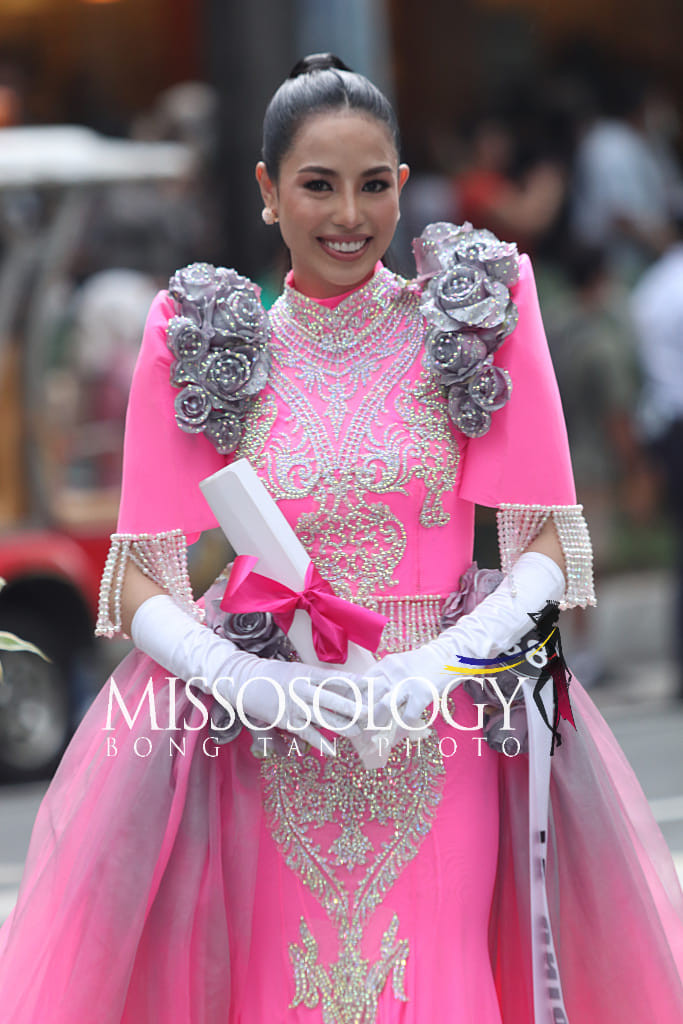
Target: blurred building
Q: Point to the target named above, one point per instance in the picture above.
(451, 58)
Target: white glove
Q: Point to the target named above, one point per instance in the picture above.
(282, 693)
(412, 680)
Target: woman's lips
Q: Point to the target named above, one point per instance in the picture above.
(346, 249)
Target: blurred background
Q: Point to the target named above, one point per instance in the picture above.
(129, 130)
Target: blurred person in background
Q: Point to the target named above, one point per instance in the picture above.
(153, 228)
(15, 71)
(593, 345)
(626, 176)
(516, 194)
(657, 306)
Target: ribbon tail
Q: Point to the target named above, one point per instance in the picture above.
(360, 625)
(330, 639)
(561, 681)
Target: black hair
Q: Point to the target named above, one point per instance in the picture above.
(319, 82)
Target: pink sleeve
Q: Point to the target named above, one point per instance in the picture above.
(162, 465)
(524, 458)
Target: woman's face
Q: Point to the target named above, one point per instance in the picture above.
(336, 198)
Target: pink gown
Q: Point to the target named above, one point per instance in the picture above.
(203, 885)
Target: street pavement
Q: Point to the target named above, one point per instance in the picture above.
(629, 634)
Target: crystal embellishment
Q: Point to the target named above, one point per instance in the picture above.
(162, 557)
(348, 832)
(518, 525)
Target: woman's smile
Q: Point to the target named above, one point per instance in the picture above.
(346, 249)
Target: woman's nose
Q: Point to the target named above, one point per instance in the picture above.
(347, 213)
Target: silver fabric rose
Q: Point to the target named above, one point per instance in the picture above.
(494, 730)
(467, 415)
(454, 357)
(490, 388)
(194, 288)
(499, 259)
(227, 372)
(224, 429)
(434, 248)
(467, 305)
(220, 343)
(192, 408)
(475, 585)
(186, 339)
(255, 632)
(224, 726)
(240, 314)
(464, 298)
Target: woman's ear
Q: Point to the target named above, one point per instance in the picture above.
(403, 175)
(268, 189)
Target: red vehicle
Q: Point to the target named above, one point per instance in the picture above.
(50, 599)
(66, 356)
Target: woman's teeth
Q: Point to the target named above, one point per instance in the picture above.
(345, 246)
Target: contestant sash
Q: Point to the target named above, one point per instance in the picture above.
(549, 1005)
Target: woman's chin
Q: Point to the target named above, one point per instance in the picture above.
(335, 278)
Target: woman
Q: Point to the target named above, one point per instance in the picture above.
(212, 885)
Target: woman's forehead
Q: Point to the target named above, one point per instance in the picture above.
(342, 134)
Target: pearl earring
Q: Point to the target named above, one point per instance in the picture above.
(269, 216)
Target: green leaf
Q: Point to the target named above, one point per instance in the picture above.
(10, 642)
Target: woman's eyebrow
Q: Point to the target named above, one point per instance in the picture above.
(313, 169)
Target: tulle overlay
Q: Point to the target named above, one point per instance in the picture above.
(155, 890)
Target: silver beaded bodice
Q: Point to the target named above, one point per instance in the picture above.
(353, 442)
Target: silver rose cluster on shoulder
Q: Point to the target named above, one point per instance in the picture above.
(467, 275)
(220, 343)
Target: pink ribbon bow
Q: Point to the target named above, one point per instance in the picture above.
(334, 621)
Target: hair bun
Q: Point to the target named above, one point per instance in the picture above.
(318, 62)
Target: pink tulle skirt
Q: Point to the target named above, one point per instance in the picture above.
(169, 880)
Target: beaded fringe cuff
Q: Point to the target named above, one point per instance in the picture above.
(160, 556)
(518, 525)
(412, 621)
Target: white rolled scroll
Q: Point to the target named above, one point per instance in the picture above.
(254, 525)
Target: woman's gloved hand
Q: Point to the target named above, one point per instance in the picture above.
(408, 682)
(287, 694)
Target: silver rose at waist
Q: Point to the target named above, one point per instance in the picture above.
(253, 632)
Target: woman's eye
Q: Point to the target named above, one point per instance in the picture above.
(317, 185)
(376, 185)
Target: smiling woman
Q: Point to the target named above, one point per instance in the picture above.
(335, 193)
(264, 882)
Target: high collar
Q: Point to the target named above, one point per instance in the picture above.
(334, 300)
(366, 298)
